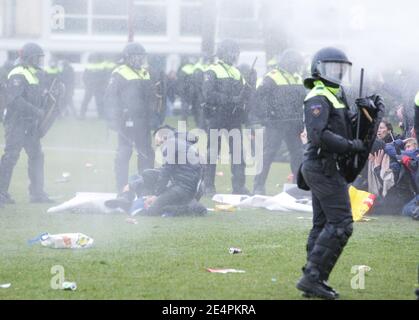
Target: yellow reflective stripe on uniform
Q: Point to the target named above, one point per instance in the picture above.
(28, 73)
(129, 74)
(188, 69)
(259, 82)
(50, 70)
(224, 71)
(321, 90)
(282, 77)
(94, 66)
(109, 65)
(200, 66)
(417, 100)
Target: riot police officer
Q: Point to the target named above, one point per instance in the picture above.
(281, 95)
(23, 113)
(129, 99)
(225, 95)
(329, 164)
(185, 86)
(4, 72)
(95, 81)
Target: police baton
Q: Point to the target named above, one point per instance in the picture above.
(358, 120)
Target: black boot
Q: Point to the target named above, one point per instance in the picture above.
(313, 288)
(323, 281)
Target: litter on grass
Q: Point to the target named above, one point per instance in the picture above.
(65, 177)
(5, 285)
(225, 270)
(63, 241)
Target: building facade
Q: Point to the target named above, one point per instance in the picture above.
(73, 28)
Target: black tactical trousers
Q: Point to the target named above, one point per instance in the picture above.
(332, 217)
(171, 200)
(98, 94)
(274, 134)
(237, 163)
(16, 139)
(138, 137)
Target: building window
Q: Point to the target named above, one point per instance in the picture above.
(109, 17)
(237, 9)
(75, 16)
(233, 15)
(150, 17)
(191, 18)
(94, 17)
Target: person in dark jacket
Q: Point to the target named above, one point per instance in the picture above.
(129, 100)
(176, 187)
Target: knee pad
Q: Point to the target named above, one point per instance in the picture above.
(344, 230)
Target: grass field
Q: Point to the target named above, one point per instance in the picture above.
(166, 258)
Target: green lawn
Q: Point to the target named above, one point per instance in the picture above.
(166, 258)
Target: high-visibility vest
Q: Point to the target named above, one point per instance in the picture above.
(321, 90)
(129, 74)
(28, 72)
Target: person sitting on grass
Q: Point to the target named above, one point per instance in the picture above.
(408, 160)
(389, 180)
(172, 190)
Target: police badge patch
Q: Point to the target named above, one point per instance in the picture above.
(316, 110)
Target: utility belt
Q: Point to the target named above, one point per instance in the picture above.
(329, 162)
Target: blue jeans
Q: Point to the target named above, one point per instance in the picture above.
(411, 207)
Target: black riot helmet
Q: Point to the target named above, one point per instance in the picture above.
(291, 60)
(331, 65)
(134, 55)
(228, 51)
(32, 55)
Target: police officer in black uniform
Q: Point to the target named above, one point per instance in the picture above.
(95, 81)
(225, 95)
(129, 100)
(281, 95)
(4, 72)
(329, 164)
(23, 113)
(185, 85)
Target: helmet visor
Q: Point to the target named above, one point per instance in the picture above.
(336, 72)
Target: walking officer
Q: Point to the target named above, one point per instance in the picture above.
(281, 95)
(329, 163)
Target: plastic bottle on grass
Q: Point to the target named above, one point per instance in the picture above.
(66, 241)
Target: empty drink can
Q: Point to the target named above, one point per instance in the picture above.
(235, 250)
